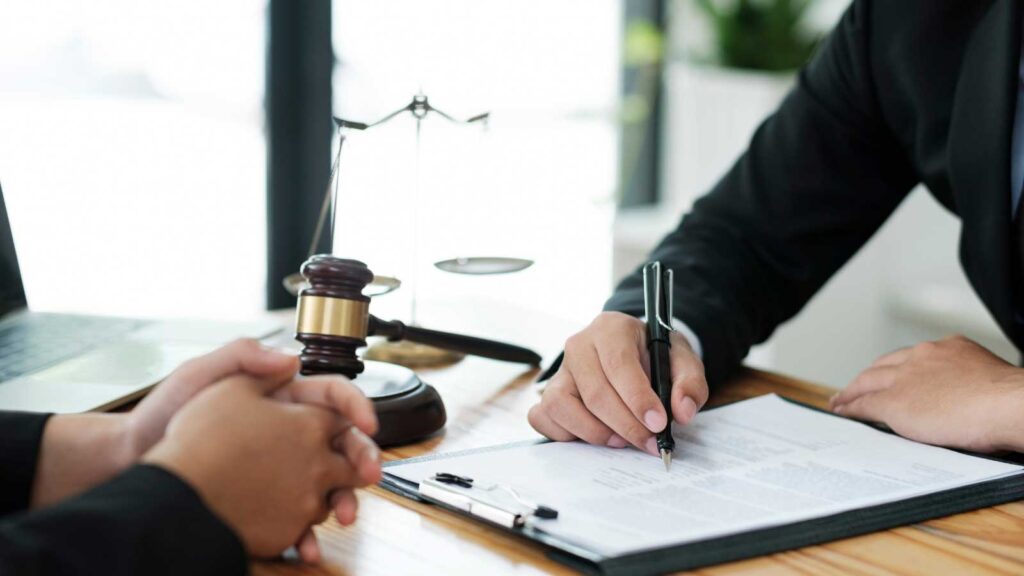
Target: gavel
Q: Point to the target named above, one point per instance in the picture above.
(334, 320)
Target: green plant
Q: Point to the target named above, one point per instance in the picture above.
(760, 34)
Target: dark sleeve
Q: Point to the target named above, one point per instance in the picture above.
(145, 521)
(820, 176)
(20, 436)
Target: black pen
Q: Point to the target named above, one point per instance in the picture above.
(658, 309)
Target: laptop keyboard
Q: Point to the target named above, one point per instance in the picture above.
(31, 342)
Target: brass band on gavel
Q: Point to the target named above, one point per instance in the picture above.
(332, 316)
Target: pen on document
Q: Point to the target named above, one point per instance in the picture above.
(510, 517)
(658, 311)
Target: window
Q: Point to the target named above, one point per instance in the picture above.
(132, 154)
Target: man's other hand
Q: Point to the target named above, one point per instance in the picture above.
(950, 393)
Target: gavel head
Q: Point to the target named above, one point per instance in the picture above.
(333, 315)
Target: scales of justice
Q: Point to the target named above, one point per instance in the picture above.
(333, 317)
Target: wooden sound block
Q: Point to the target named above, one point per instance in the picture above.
(412, 354)
(408, 409)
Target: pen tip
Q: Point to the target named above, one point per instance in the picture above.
(666, 457)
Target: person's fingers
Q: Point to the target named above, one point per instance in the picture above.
(340, 472)
(567, 410)
(361, 451)
(605, 401)
(245, 355)
(689, 384)
(308, 548)
(893, 358)
(621, 365)
(323, 425)
(345, 506)
(335, 393)
(543, 424)
(197, 374)
(640, 339)
(867, 382)
(330, 423)
(870, 407)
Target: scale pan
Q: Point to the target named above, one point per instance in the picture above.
(481, 265)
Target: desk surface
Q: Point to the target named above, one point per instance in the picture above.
(487, 404)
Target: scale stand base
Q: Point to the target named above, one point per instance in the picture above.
(412, 354)
(408, 409)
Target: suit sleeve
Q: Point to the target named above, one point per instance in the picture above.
(818, 179)
(20, 436)
(145, 521)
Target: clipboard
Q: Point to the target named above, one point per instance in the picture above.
(740, 546)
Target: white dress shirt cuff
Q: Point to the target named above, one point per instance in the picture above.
(690, 336)
(687, 333)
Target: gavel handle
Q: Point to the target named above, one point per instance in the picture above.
(397, 330)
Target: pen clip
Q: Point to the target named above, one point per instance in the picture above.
(446, 478)
(668, 285)
(658, 298)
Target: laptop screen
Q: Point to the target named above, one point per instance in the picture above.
(12, 292)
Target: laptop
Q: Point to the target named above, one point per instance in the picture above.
(74, 363)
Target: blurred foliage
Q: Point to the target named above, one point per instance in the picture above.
(760, 34)
(643, 49)
(643, 43)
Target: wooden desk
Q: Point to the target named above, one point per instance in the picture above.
(487, 404)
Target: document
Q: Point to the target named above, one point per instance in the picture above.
(753, 464)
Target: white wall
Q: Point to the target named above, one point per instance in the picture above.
(903, 287)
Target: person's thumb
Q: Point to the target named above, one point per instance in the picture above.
(245, 355)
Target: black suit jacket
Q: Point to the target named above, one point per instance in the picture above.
(145, 521)
(902, 92)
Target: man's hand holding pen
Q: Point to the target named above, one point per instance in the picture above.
(602, 393)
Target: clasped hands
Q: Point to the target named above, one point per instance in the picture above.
(270, 453)
(952, 392)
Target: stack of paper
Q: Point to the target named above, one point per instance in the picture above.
(754, 464)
